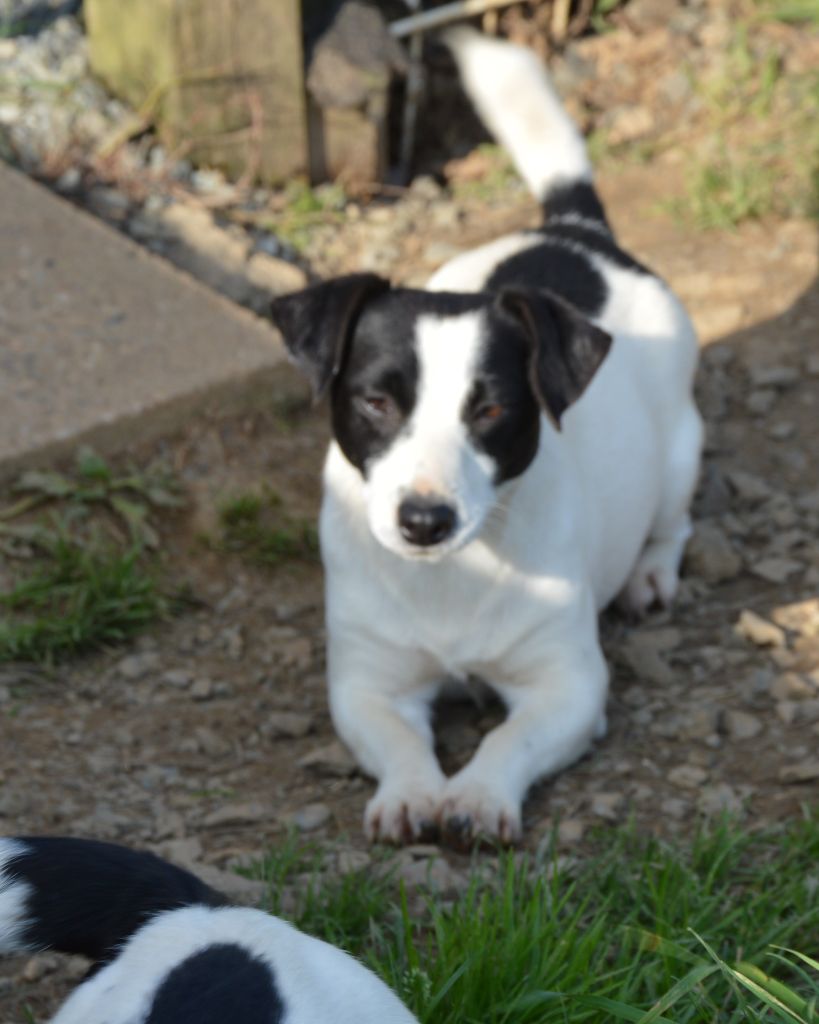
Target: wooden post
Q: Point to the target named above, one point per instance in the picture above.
(226, 77)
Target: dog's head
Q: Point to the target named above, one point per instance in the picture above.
(437, 397)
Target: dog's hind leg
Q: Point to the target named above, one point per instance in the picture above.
(655, 576)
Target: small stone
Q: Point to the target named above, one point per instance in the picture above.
(747, 486)
(38, 967)
(332, 760)
(688, 776)
(642, 653)
(433, 873)
(310, 817)
(760, 402)
(5, 695)
(287, 724)
(800, 616)
(571, 830)
(249, 891)
(202, 689)
(137, 666)
(236, 814)
(297, 652)
(790, 686)
(348, 862)
(804, 771)
(740, 725)
(673, 807)
(774, 376)
(781, 430)
(758, 630)
(180, 678)
(711, 556)
(607, 805)
(701, 722)
(776, 570)
(719, 799)
(210, 742)
(786, 711)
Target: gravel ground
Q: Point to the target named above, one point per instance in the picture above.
(210, 737)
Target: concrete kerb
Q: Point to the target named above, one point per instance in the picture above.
(101, 342)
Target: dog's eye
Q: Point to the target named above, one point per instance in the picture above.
(488, 413)
(375, 405)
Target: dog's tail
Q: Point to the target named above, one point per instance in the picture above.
(514, 97)
(85, 897)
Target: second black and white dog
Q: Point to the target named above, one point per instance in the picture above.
(169, 950)
(514, 447)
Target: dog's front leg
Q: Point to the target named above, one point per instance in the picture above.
(555, 711)
(380, 708)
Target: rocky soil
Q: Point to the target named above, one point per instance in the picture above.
(210, 738)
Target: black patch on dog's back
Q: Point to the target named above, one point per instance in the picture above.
(88, 897)
(594, 241)
(222, 984)
(553, 266)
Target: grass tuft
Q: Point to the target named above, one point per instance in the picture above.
(256, 526)
(77, 578)
(640, 931)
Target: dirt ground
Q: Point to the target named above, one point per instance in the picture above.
(210, 737)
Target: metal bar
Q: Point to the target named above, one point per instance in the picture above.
(425, 20)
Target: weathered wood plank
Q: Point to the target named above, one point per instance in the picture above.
(230, 74)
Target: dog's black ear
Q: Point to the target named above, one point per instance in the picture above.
(567, 349)
(317, 323)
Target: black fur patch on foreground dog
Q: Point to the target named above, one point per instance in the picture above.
(167, 949)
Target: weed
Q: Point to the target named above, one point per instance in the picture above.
(764, 149)
(82, 597)
(793, 11)
(256, 526)
(303, 210)
(639, 930)
(81, 580)
(497, 175)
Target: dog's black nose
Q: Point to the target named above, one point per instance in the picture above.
(425, 523)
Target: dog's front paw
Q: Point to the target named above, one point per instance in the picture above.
(403, 811)
(473, 810)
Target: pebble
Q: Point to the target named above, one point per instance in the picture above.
(710, 554)
(687, 776)
(310, 817)
(773, 376)
(748, 486)
(137, 666)
(202, 689)
(790, 686)
(245, 813)
(758, 630)
(776, 570)
(804, 771)
(332, 760)
(287, 724)
(180, 678)
(608, 805)
(741, 725)
(719, 799)
(760, 402)
(39, 966)
(571, 830)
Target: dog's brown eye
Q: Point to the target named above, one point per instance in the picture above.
(489, 412)
(376, 405)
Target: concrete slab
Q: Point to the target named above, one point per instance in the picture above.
(101, 342)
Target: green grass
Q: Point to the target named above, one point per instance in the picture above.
(761, 154)
(256, 526)
(75, 559)
(78, 598)
(791, 11)
(640, 931)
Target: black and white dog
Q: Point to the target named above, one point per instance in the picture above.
(168, 949)
(513, 447)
